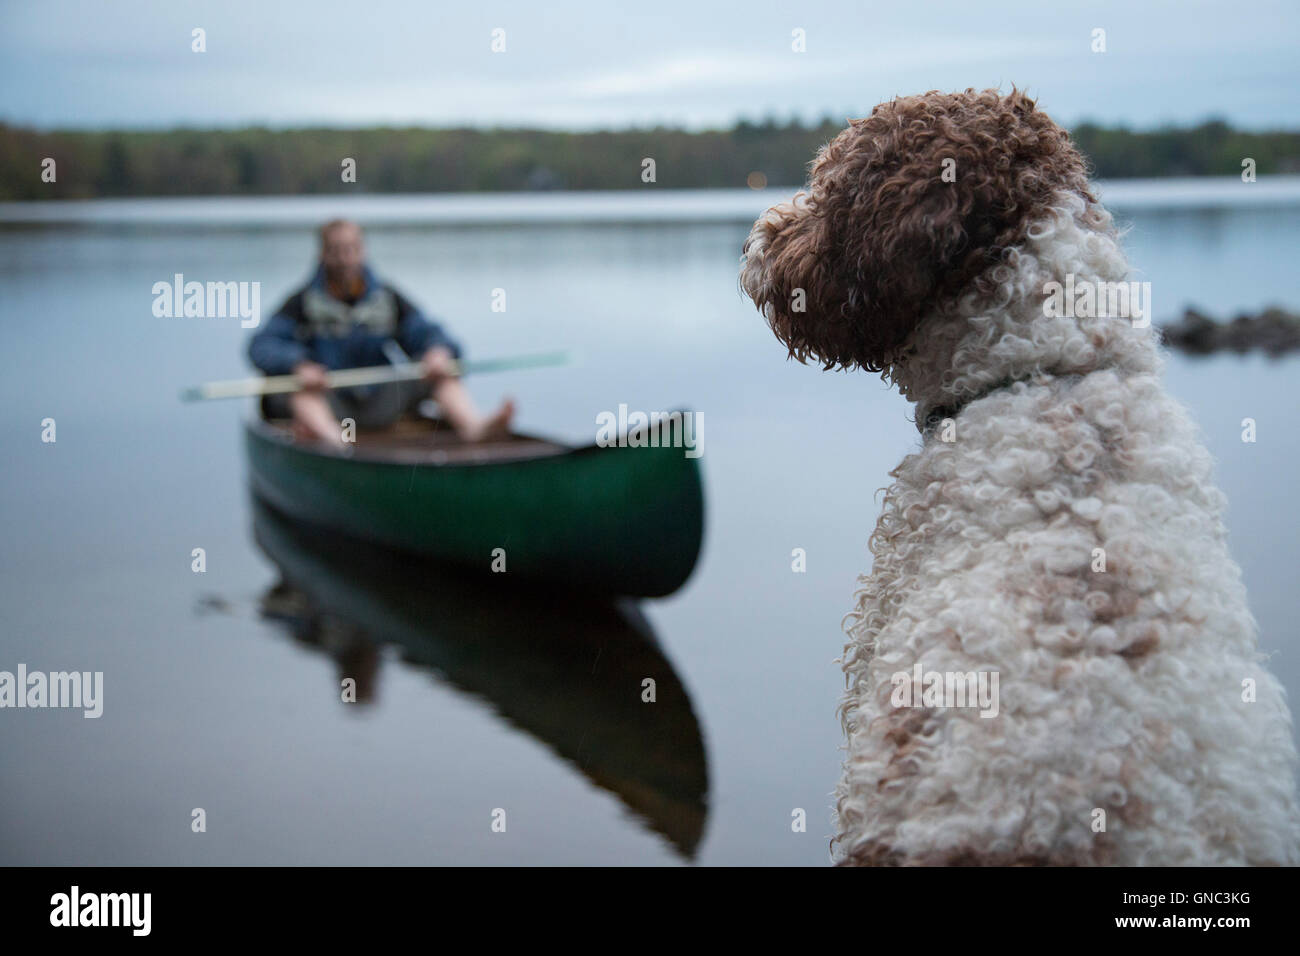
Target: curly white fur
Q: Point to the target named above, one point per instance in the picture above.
(1121, 690)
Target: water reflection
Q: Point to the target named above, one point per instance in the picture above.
(567, 669)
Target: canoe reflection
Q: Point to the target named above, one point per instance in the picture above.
(568, 669)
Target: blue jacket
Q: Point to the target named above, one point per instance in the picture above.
(298, 331)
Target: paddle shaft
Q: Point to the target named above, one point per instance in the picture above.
(350, 377)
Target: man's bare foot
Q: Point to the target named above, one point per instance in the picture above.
(313, 420)
(493, 428)
(302, 432)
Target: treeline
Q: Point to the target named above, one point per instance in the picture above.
(259, 161)
(1210, 149)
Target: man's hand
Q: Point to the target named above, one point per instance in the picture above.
(438, 364)
(312, 376)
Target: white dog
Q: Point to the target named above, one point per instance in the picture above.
(1056, 543)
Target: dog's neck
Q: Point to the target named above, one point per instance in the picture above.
(977, 345)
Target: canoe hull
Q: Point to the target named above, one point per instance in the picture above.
(617, 520)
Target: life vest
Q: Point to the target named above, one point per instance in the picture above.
(327, 317)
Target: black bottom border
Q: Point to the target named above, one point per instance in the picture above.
(335, 904)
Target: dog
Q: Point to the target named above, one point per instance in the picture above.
(1059, 529)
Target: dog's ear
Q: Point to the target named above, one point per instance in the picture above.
(904, 210)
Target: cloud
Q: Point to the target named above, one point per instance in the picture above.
(63, 62)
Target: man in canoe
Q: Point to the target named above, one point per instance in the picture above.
(346, 318)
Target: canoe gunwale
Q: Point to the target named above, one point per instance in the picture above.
(463, 457)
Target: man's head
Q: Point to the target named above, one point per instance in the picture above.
(904, 210)
(342, 250)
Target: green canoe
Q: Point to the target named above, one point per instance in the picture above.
(617, 520)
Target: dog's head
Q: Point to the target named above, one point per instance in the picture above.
(903, 211)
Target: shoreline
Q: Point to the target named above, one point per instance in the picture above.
(650, 205)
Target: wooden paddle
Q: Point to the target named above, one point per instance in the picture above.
(369, 375)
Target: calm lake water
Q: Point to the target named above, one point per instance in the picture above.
(219, 696)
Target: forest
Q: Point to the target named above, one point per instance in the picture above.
(262, 161)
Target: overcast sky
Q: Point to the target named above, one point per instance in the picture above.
(616, 63)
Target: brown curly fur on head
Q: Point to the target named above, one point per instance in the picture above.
(878, 239)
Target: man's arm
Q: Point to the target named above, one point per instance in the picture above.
(274, 349)
(418, 335)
